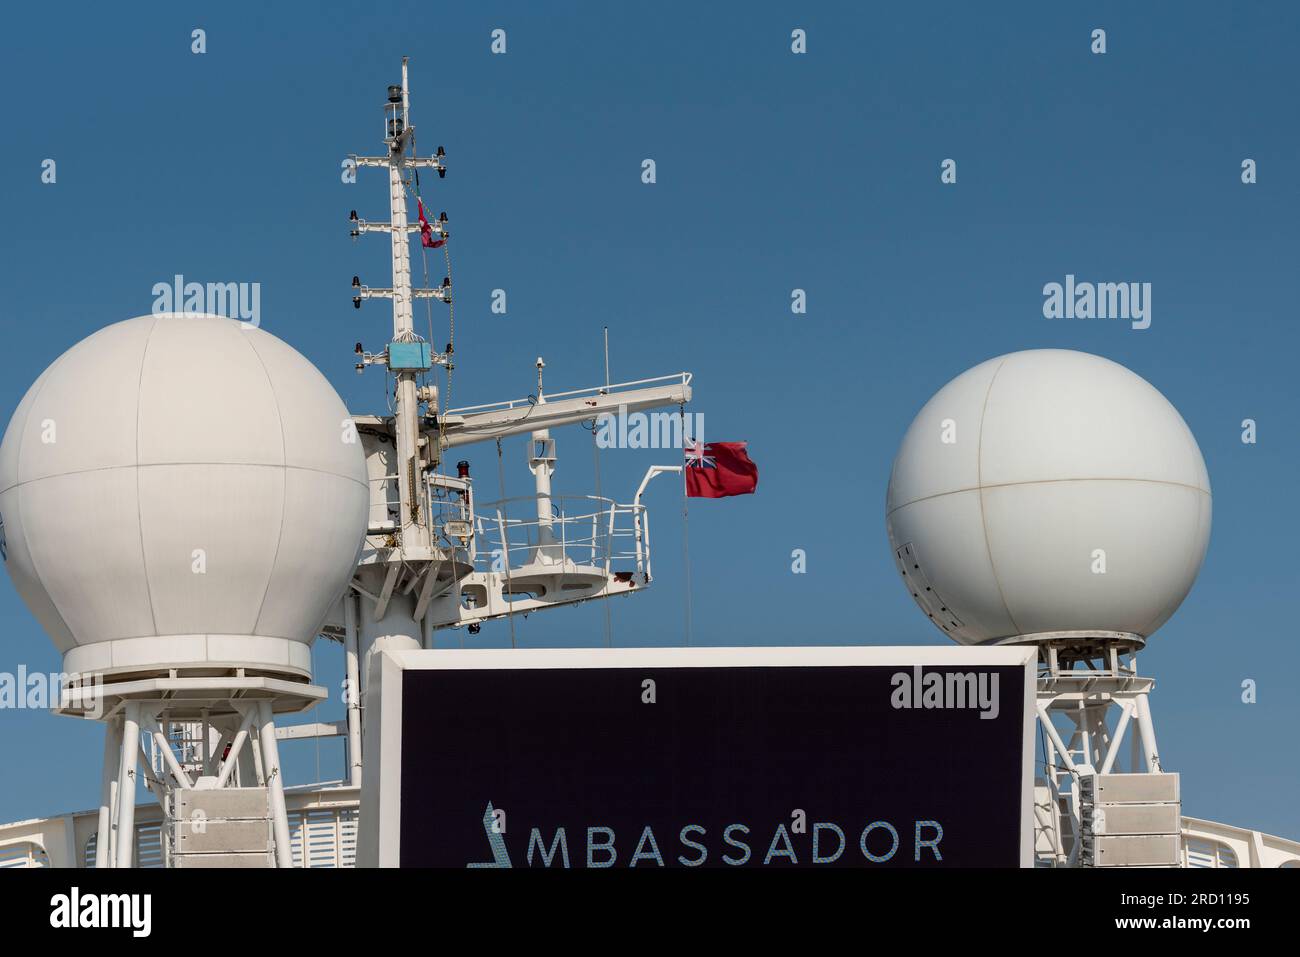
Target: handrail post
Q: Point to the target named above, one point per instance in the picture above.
(564, 555)
(645, 528)
(505, 556)
(609, 539)
(651, 472)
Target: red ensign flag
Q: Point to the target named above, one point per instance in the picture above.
(426, 231)
(719, 469)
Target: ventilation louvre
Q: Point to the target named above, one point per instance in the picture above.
(923, 591)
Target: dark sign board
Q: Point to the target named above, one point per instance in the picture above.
(721, 757)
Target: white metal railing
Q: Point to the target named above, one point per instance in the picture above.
(384, 505)
(450, 504)
(1211, 844)
(324, 837)
(443, 498)
(1200, 852)
(679, 377)
(322, 819)
(587, 530)
(149, 849)
(23, 854)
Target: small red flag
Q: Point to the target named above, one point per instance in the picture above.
(426, 231)
(719, 469)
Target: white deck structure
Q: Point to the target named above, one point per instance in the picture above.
(323, 829)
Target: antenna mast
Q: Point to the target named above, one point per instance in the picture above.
(407, 356)
(430, 560)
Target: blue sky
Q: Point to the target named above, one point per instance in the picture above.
(774, 172)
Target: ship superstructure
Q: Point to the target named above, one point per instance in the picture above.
(403, 546)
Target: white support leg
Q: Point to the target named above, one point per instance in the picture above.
(254, 754)
(126, 786)
(236, 748)
(154, 785)
(208, 735)
(1112, 752)
(1084, 731)
(1135, 748)
(246, 768)
(212, 763)
(275, 785)
(1102, 742)
(108, 792)
(1150, 756)
(351, 652)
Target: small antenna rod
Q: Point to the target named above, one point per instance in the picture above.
(406, 96)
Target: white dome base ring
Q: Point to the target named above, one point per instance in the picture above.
(155, 654)
(1060, 647)
(1129, 638)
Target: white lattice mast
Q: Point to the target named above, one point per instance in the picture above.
(400, 163)
(404, 564)
(413, 530)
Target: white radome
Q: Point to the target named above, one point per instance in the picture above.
(178, 492)
(1060, 464)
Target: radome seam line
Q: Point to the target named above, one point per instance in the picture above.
(1096, 478)
(139, 512)
(163, 465)
(979, 478)
(284, 480)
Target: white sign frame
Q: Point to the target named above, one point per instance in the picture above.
(381, 807)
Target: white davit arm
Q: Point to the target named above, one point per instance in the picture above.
(643, 547)
(484, 423)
